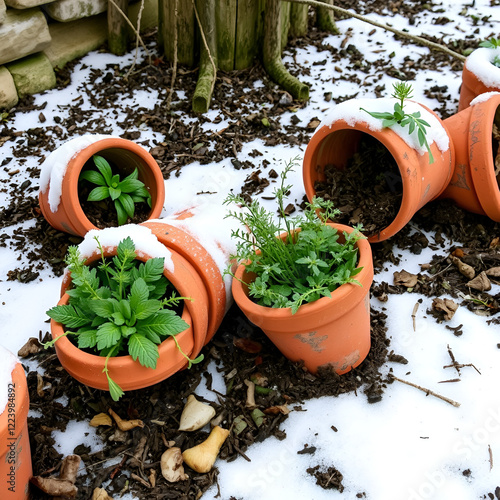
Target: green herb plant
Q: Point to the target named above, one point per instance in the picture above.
(302, 267)
(492, 43)
(402, 91)
(124, 193)
(119, 307)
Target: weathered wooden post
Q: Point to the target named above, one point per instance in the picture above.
(227, 35)
(326, 18)
(298, 19)
(271, 53)
(117, 26)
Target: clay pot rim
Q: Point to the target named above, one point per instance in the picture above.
(73, 208)
(116, 362)
(390, 140)
(115, 143)
(198, 332)
(483, 173)
(346, 292)
(171, 241)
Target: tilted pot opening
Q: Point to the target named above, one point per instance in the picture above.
(102, 213)
(360, 175)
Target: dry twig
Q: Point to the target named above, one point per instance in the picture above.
(415, 38)
(427, 391)
(174, 64)
(414, 316)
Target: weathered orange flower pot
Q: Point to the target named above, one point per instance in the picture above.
(127, 373)
(200, 235)
(15, 454)
(474, 185)
(479, 75)
(58, 195)
(330, 331)
(337, 139)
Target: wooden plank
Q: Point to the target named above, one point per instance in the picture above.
(117, 26)
(247, 32)
(285, 23)
(298, 19)
(225, 20)
(185, 30)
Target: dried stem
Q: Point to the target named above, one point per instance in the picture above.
(415, 38)
(462, 365)
(414, 316)
(174, 64)
(427, 391)
(135, 30)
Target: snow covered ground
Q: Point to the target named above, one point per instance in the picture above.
(409, 446)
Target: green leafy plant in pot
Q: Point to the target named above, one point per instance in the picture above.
(123, 193)
(120, 306)
(305, 284)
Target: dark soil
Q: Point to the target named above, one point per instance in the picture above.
(160, 406)
(368, 190)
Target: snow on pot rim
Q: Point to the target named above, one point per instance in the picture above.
(146, 243)
(212, 229)
(7, 364)
(480, 62)
(350, 112)
(483, 97)
(54, 167)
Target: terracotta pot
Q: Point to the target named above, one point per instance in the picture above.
(330, 331)
(126, 372)
(474, 186)
(15, 454)
(58, 196)
(336, 140)
(198, 233)
(479, 76)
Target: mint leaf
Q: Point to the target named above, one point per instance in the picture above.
(115, 390)
(164, 323)
(139, 347)
(147, 308)
(101, 307)
(87, 338)
(68, 316)
(108, 335)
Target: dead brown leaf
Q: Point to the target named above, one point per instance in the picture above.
(313, 124)
(101, 419)
(247, 345)
(480, 283)
(405, 278)
(32, 346)
(125, 425)
(274, 410)
(494, 272)
(447, 306)
(101, 494)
